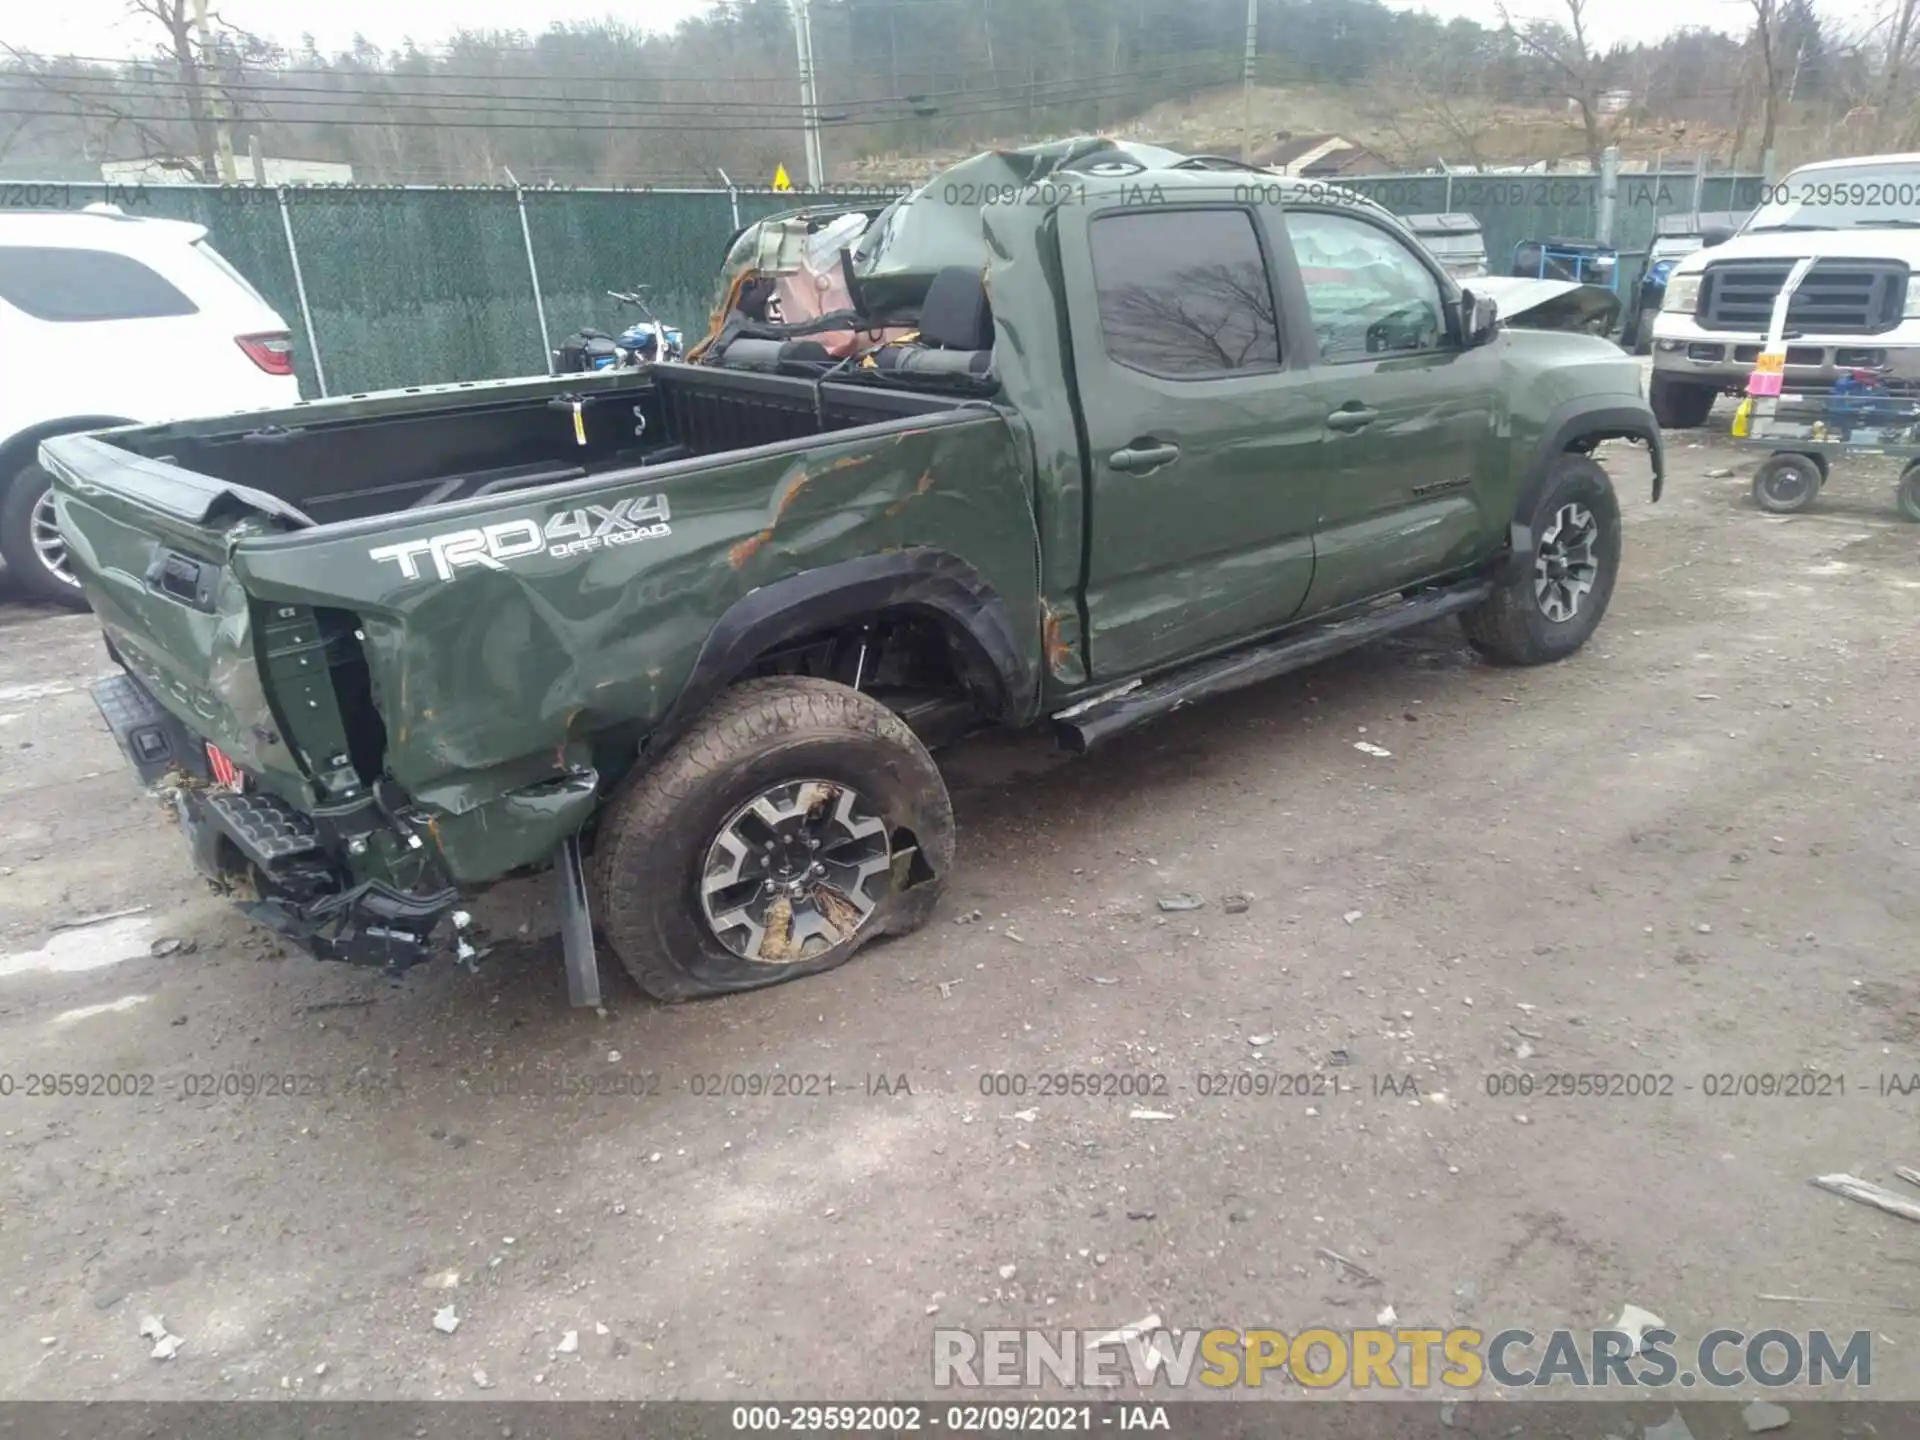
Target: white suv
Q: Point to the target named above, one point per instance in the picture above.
(110, 319)
(1858, 309)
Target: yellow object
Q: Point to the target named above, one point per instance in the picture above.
(780, 180)
(1771, 362)
(1742, 418)
(579, 424)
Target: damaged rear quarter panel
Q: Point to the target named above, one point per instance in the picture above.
(499, 679)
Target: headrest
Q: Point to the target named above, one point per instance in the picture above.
(955, 314)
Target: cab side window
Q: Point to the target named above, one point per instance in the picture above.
(1369, 293)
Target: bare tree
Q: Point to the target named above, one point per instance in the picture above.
(1566, 49)
(1423, 114)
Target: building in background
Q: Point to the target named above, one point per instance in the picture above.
(271, 172)
(1321, 156)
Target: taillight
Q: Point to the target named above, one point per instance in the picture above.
(272, 352)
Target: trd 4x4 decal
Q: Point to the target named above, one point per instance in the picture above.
(571, 532)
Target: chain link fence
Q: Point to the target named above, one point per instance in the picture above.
(412, 285)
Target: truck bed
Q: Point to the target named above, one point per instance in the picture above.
(406, 450)
(444, 600)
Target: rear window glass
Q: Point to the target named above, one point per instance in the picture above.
(64, 284)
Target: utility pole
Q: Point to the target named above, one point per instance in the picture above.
(809, 95)
(216, 101)
(1253, 45)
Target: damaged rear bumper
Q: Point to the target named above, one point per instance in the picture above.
(285, 870)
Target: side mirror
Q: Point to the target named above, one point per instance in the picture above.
(1715, 235)
(1479, 318)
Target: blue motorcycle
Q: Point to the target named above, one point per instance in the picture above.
(642, 343)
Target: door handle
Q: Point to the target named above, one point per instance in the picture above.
(1349, 418)
(1136, 459)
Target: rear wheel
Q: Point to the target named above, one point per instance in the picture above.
(1680, 404)
(1643, 332)
(1785, 483)
(1547, 610)
(31, 543)
(797, 820)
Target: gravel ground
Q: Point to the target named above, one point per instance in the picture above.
(1682, 853)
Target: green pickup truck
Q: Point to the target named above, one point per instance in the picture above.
(1125, 430)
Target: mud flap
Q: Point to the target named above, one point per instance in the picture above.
(576, 926)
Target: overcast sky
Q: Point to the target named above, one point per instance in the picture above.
(101, 27)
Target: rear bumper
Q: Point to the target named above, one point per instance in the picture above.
(274, 861)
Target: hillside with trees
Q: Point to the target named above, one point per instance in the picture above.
(606, 103)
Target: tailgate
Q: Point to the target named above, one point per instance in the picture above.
(150, 544)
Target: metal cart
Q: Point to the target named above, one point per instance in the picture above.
(1868, 412)
(1806, 433)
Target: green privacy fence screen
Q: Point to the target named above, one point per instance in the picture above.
(416, 285)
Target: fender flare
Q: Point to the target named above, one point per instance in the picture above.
(1579, 425)
(995, 665)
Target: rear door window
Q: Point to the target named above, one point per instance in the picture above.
(1184, 293)
(62, 285)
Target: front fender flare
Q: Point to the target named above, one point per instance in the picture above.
(1578, 426)
(1581, 424)
(998, 667)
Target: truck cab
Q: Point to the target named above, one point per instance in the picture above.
(1857, 310)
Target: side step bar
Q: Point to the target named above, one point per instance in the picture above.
(1081, 728)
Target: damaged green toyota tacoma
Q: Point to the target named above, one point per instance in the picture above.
(1071, 436)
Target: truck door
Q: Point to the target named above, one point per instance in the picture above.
(1203, 442)
(1408, 411)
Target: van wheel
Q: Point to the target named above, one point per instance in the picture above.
(31, 544)
(796, 821)
(1678, 405)
(1546, 611)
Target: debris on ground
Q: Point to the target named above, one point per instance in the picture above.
(1912, 1177)
(152, 1327)
(1007, 1272)
(480, 1378)
(1104, 979)
(569, 1343)
(1868, 1193)
(1027, 1116)
(1634, 1324)
(80, 922)
(1719, 472)
(445, 1321)
(172, 945)
(1181, 901)
(1352, 1267)
(1351, 916)
(1148, 1115)
(167, 1346)
(968, 917)
(1672, 1428)
(1387, 1316)
(1260, 1041)
(1367, 747)
(1236, 904)
(1141, 1215)
(1762, 1415)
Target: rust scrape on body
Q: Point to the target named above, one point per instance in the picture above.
(748, 548)
(1058, 651)
(925, 484)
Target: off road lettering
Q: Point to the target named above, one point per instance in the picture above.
(579, 531)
